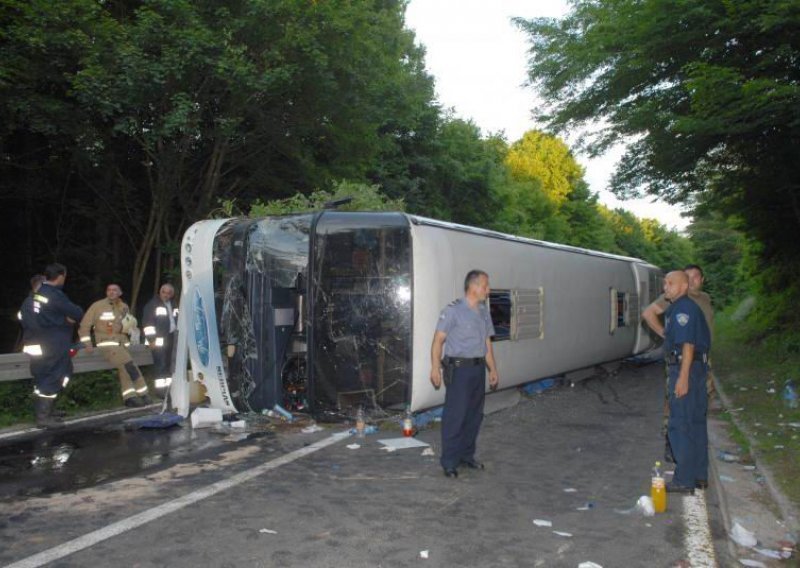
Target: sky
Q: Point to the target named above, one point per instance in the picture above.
(479, 61)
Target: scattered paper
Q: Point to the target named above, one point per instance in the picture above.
(428, 452)
(776, 554)
(726, 478)
(353, 446)
(779, 446)
(542, 523)
(752, 563)
(423, 554)
(206, 417)
(749, 467)
(239, 424)
(589, 565)
(268, 531)
(742, 536)
(564, 534)
(311, 429)
(570, 490)
(645, 506)
(585, 507)
(403, 443)
(389, 449)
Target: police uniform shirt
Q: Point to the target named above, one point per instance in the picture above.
(702, 299)
(467, 329)
(684, 322)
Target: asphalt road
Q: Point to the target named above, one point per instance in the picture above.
(337, 507)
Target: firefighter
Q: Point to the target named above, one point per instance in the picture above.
(111, 321)
(160, 324)
(48, 339)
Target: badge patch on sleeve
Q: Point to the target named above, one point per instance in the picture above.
(682, 319)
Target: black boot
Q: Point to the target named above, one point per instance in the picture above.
(44, 413)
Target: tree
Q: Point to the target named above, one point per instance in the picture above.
(546, 159)
(706, 94)
(720, 249)
(364, 198)
(148, 112)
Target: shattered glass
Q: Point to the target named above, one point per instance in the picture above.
(255, 259)
(361, 312)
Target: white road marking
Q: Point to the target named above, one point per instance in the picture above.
(698, 544)
(114, 529)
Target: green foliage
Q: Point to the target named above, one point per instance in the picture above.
(547, 160)
(364, 198)
(750, 363)
(136, 118)
(16, 402)
(707, 94)
(720, 251)
(96, 390)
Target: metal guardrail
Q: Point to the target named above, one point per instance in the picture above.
(16, 366)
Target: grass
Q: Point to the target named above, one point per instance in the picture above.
(752, 369)
(87, 392)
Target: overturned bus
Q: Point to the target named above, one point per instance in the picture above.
(325, 311)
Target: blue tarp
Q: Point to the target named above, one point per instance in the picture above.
(166, 420)
(538, 386)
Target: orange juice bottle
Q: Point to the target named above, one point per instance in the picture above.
(658, 490)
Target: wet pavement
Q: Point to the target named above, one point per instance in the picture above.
(75, 459)
(367, 507)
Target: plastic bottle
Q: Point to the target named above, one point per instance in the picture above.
(658, 490)
(360, 423)
(790, 394)
(408, 423)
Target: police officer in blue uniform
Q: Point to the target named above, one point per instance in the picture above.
(687, 341)
(463, 334)
(55, 318)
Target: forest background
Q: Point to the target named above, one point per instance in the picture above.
(123, 122)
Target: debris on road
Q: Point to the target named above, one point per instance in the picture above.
(428, 452)
(353, 446)
(368, 429)
(589, 565)
(238, 424)
(268, 531)
(403, 443)
(423, 554)
(586, 506)
(570, 490)
(206, 417)
(742, 536)
(727, 479)
(542, 523)
(645, 506)
(312, 429)
(562, 533)
(153, 421)
(729, 457)
(752, 563)
(769, 553)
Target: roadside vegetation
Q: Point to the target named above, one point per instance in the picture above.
(753, 369)
(87, 392)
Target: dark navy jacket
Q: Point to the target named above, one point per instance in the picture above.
(54, 309)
